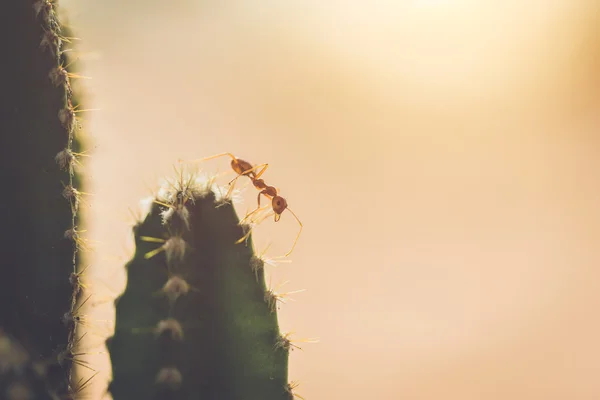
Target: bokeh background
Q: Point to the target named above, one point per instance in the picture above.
(444, 157)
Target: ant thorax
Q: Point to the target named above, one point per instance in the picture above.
(259, 183)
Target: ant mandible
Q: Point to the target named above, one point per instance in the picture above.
(278, 203)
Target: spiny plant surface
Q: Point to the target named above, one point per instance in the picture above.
(196, 320)
(39, 281)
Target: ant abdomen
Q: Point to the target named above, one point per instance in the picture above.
(241, 167)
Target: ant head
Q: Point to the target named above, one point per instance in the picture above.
(279, 205)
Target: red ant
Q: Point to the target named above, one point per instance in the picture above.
(278, 203)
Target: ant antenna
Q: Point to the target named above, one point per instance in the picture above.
(297, 236)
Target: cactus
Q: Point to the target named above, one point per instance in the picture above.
(40, 284)
(196, 320)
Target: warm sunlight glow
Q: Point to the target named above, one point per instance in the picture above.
(441, 155)
(433, 3)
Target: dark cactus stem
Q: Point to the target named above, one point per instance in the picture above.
(39, 284)
(196, 320)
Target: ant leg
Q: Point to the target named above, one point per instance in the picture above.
(263, 192)
(199, 160)
(258, 198)
(245, 173)
(245, 237)
(209, 158)
(259, 173)
(258, 208)
(297, 236)
(252, 213)
(231, 185)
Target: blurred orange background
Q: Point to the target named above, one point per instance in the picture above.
(443, 156)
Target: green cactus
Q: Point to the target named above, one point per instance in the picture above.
(39, 284)
(196, 320)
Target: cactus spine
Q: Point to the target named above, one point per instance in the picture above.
(196, 320)
(39, 284)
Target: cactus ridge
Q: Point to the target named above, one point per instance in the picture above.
(39, 334)
(196, 320)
